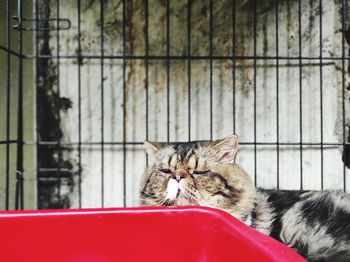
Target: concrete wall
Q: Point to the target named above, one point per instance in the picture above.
(233, 98)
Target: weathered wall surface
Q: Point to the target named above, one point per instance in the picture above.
(240, 94)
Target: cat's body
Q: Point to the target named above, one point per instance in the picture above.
(316, 224)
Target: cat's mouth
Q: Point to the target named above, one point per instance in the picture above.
(174, 190)
(177, 195)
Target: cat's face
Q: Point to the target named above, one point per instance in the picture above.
(196, 173)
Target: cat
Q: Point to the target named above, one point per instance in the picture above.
(204, 173)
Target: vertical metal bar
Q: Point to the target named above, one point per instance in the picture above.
(277, 97)
(255, 114)
(300, 97)
(19, 13)
(168, 67)
(146, 68)
(321, 92)
(79, 102)
(36, 86)
(124, 103)
(234, 65)
(8, 107)
(19, 164)
(343, 86)
(211, 66)
(58, 102)
(189, 2)
(102, 101)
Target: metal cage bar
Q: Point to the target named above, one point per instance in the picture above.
(124, 102)
(189, 35)
(168, 68)
(8, 99)
(234, 65)
(102, 13)
(79, 61)
(321, 94)
(254, 93)
(19, 156)
(277, 99)
(300, 95)
(343, 4)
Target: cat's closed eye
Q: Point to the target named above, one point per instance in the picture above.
(200, 172)
(166, 171)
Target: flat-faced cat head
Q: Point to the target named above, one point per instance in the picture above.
(197, 173)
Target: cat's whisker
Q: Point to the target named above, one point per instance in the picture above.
(164, 201)
(195, 196)
(159, 201)
(147, 194)
(153, 200)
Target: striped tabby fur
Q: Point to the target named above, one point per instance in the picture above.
(315, 224)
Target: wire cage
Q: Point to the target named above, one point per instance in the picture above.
(85, 82)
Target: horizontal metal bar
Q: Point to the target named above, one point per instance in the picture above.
(62, 24)
(8, 142)
(156, 57)
(48, 170)
(98, 143)
(59, 179)
(291, 144)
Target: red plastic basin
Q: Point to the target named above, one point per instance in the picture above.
(134, 234)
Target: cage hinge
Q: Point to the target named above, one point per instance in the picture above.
(41, 24)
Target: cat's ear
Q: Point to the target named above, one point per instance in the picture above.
(227, 149)
(151, 147)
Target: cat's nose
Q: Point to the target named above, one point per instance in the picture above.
(178, 175)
